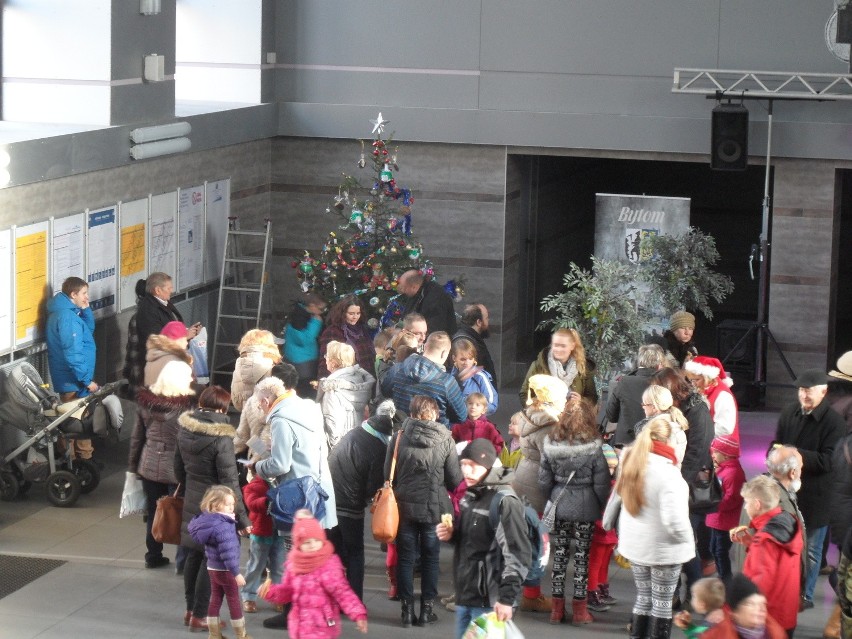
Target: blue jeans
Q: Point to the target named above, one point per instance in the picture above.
(466, 614)
(414, 535)
(720, 544)
(263, 552)
(816, 537)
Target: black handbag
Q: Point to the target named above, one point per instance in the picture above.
(705, 492)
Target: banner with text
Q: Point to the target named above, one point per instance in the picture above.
(621, 221)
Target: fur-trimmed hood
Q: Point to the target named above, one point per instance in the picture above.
(159, 346)
(162, 404)
(207, 423)
(567, 451)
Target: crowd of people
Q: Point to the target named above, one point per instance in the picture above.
(349, 410)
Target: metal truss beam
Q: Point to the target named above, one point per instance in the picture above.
(764, 84)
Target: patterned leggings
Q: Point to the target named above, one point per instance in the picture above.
(563, 532)
(655, 588)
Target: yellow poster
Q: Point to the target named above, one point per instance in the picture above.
(132, 249)
(30, 282)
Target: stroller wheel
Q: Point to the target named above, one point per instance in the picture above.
(87, 472)
(9, 486)
(63, 488)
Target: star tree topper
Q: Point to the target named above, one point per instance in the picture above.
(379, 124)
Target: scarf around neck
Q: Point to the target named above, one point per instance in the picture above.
(566, 373)
(305, 562)
(664, 450)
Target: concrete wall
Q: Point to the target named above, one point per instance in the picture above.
(246, 164)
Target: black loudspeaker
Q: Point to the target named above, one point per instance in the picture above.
(844, 24)
(738, 358)
(729, 139)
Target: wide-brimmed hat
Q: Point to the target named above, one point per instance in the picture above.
(844, 367)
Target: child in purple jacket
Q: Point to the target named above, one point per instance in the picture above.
(216, 529)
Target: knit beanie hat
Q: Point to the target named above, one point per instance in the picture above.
(382, 423)
(174, 330)
(739, 587)
(682, 319)
(548, 390)
(726, 445)
(610, 456)
(307, 528)
(480, 451)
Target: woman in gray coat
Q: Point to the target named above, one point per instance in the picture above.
(154, 440)
(575, 476)
(344, 393)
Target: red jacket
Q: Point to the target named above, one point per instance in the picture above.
(469, 430)
(726, 630)
(732, 476)
(773, 563)
(254, 496)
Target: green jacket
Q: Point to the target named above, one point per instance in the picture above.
(584, 384)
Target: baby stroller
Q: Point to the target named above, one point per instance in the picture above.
(31, 407)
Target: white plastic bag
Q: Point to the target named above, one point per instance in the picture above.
(133, 500)
(198, 350)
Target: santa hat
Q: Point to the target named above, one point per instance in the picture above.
(708, 367)
(726, 445)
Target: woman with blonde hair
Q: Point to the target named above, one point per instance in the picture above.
(566, 360)
(654, 534)
(344, 393)
(258, 354)
(657, 401)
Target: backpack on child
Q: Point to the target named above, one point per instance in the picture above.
(537, 534)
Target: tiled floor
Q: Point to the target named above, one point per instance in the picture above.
(105, 591)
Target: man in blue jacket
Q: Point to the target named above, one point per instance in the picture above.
(71, 346)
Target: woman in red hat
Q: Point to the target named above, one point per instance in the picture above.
(708, 376)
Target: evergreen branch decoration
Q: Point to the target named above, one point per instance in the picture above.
(600, 305)
(679, 274)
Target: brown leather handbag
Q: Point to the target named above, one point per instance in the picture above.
(385, 509)
(167, 519)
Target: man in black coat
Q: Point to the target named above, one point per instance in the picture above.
(474, 326)
(625, 399)
(814, 428)
(429, 299)
(154, 310)
(357, 465)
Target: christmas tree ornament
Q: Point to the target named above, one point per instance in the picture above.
(379, 124)
(386, 175)
(294, 264)
(374, 301)
(306, 267)
(372, 323)
(363, 161)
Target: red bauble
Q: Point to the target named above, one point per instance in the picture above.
(402, 242)
(365, 278)
(354, 262)
(323, 266)
(294, 264)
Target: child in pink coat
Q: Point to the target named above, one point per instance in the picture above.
(725, 451)
(314, 582)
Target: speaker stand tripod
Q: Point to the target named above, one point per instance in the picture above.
(761, 326)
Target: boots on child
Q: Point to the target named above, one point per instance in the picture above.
(581, 612)
(392, 594)
(239, 628)
(214, 630)
(557, 609)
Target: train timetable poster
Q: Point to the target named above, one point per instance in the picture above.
(68, 241)
(190, 237)
(133, 250)
(6, 288)
(30, 279)
(102, 260)
(161, 234)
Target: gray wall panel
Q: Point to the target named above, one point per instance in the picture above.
(429, 90)
(607, 37)
(440, 34)
(776, 35)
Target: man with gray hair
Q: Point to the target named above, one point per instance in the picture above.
(625, 399)
(814, 428)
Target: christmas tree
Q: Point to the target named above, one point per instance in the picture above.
(374, 243)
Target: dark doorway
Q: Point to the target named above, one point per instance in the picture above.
(561, 197)
(843, 273)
